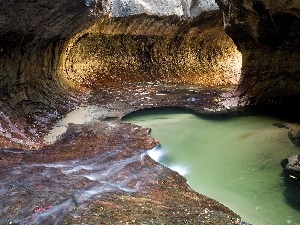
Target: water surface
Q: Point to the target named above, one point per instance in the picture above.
(234, 160)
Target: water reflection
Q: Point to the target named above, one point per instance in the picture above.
(233, 160)
(291, 192)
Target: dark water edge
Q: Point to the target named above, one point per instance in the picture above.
(280, 122)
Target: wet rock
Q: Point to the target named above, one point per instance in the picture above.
(55, 56)
(291, 167)
(99, 174)
(280, 125)
(99, 171)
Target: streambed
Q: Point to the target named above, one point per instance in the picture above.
(64, 180)
(234, 160)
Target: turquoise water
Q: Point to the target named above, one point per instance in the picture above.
(233, 160)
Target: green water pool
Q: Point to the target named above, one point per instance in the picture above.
(235, 160)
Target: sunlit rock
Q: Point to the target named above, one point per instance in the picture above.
(151, 49)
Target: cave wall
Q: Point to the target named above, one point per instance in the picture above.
(53, 53)
(32, 38)
(53, 49)
(146, 48)
(267, 34)
(33, 35)
(47, 47)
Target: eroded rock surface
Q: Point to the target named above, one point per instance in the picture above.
(152, 49)
(99, 171)
(55, 56)
(267, 34)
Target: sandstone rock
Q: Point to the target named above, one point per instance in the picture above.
(267, 34)
(53, 53)
(150, 49)
(49, 51)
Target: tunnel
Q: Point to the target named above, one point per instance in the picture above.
(100, 60)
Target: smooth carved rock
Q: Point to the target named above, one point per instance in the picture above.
(50, 50)
(267, 34)
(149, 49)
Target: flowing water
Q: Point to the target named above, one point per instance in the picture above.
(235, 160)
(57, 189)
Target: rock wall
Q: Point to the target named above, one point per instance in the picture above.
(52, 54)
(49, 48)
(32, 38)
(146, 48)
(267, 34)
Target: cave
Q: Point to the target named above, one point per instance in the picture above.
(114, 57)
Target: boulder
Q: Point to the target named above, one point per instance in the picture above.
(291, 180)
(291, 167)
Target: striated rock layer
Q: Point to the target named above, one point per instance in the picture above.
(268, 36)
(52, 54)
(57, 55)
(152, 49)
